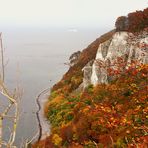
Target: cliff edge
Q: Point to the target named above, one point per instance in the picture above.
(102, 100)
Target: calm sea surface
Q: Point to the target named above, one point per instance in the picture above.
(36, 58)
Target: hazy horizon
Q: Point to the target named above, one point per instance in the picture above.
(65, 13)
(38, 38)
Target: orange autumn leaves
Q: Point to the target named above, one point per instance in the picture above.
(115, 114)
(134, 22)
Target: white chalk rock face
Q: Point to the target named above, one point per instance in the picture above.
(123, 44)
(87, 70)
(99, 73)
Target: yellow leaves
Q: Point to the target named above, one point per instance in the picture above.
(75, 137)
(76, 80)
(106, 109)
(134, 88)
(113, 87)
(119, 106)
(129, 122)
(124, 121)
(74, 128)
(55, 101)
(58, 99)
(64, 124)
(56, 139)
(141, 67)
(135, 127)
(133, 85)
(89, 143)
(86, 109)
(113, 122)
(112, 118)
(127, 131)
(145, 110)
(138, 108)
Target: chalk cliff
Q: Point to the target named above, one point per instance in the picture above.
(125, 45)
(112, 115)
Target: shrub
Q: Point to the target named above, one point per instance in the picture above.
(134, 22)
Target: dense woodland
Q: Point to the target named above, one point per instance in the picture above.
(134, 22)
(107, 115)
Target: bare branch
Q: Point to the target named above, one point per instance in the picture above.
(2, 58)
(13, 99)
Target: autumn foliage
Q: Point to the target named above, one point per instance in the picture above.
(74, 77)
(134, 22)
(107, 115)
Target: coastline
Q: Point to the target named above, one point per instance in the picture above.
(43, 123)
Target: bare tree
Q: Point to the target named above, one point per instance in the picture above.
(11, 109)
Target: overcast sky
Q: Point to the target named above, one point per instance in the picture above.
(70, 13)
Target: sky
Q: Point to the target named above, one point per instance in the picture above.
(71, 13)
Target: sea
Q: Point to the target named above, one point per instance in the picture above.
(35, 59)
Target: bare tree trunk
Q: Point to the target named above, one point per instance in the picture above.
(2, 58)
(13, 103)
(1, 125)
(1, 118)
(12, 98)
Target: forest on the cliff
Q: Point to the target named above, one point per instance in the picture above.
(103, 115)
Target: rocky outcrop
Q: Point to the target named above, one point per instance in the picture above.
(74, 58)
(87, 73)
(124, 45)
